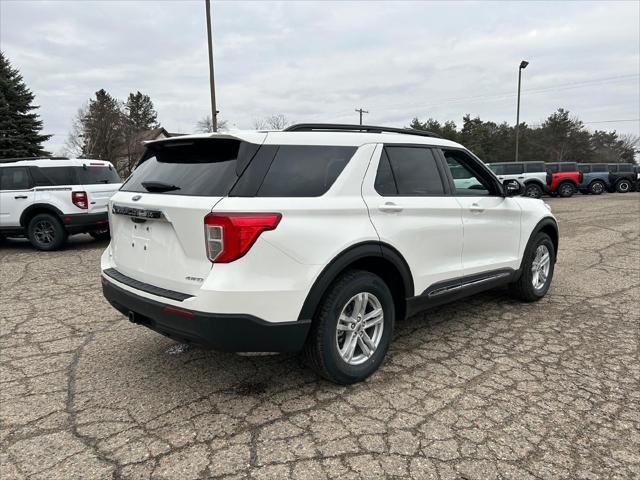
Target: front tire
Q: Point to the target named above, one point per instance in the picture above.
(566, 189)
(351, 332)
(46, 232)
(597, 187)
(623, 186)
(537, 270)
(533, 190)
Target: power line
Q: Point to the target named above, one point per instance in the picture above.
(615, 121)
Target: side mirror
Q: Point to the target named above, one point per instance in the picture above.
(512, 188)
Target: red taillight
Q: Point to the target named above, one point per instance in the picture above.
(79, 199)
(229, 236)
(181, 312)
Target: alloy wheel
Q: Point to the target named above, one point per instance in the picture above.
(44, 232)
(359, 328)
(540, 267)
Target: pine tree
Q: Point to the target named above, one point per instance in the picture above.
(101, 125)
(140, 112)
(20, 126)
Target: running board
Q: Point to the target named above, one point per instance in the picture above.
(454, 288)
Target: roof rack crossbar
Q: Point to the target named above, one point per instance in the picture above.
(341, 127)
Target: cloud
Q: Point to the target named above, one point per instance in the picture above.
(318, 61)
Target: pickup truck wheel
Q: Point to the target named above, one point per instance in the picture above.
(352, 330)
(533, 190)
(46, 232)
(566, 189)
(537, 270)
(597, 187)
(623, 186)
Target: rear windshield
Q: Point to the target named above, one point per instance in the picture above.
(197, 168)
(96, 175)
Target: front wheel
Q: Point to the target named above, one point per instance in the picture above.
(537, 270)
(533, 190)
(352, 330)
(46, 232)
(566, 189)
(623, 186)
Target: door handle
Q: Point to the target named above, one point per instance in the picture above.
(520, 177)
(475, 208)
(20, 196)
(390, 207)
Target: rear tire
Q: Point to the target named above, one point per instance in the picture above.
(623, 186)
(102, 234)
(597, 187)
(566, 189)
(342, 322)
(533, 190)
(528, 287)
(46, 232)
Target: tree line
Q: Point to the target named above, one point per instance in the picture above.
(560, 138)
(110, 129)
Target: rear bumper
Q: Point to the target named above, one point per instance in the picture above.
(223, 332)
(84, 222)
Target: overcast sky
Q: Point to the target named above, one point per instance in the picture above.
(318, 61)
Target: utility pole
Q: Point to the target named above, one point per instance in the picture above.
(214, 111)
(523, 65)
(361, 111)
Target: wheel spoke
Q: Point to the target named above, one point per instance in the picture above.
(372, 322)
(349, 347)
(364, 347)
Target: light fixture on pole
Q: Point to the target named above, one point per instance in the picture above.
(523, 65)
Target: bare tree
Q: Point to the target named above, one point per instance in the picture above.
(272, 122)
(75, 140)
(205, 125)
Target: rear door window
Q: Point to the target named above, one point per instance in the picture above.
(534, 167)
(513, 168)
(97, 175)
(15, 178)
(413, 169)
(304, 170)
(198, 168)
(599, 167)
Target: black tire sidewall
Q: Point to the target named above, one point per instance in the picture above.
(336, 367)
(60, 232)
(540, 239)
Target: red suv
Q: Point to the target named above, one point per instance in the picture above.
(563, 178)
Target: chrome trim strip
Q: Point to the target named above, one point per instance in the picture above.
(452, 288)
(135, 212)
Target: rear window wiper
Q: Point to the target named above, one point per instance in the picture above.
(159, 187)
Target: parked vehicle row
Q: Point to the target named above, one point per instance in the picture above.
(567, 178)
(48, 199)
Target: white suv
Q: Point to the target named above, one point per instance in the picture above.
(50, 198)
(316, 238)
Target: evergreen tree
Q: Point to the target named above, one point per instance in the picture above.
(102, 126)
(20, 126)
(140, 112)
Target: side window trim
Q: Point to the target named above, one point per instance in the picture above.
(441, 170)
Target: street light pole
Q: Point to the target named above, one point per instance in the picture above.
(523, 65)
(214, 111)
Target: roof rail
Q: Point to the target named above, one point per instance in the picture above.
(12, 160)
(341, 127)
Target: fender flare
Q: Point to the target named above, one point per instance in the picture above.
(39, 206)
(346, 258)
(546, 222)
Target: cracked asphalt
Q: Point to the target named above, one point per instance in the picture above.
(485, 388)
